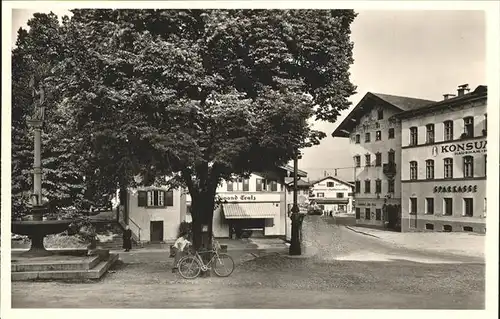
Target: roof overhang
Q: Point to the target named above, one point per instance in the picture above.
(366, 103)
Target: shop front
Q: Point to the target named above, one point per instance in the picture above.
(453, 205)
(384, 213)
(250, 214)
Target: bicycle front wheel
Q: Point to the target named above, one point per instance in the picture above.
(223, 265)
(189, 267)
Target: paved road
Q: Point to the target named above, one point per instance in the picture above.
(345, 270)
(324, 239)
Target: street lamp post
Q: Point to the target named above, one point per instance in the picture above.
(296, 217)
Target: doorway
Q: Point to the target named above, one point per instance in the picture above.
(156, 231)
(393, 217)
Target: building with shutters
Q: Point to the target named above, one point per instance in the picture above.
(375, 145)
(257, 205)
(332, 194)
(443, 164)
(154, 213)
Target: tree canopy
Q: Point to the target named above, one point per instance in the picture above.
(197, 95)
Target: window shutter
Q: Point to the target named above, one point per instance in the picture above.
(142, 198)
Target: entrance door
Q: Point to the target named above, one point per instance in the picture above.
(156, 230)
(393, 217)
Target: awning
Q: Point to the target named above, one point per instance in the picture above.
(322, 200)
(250, 210)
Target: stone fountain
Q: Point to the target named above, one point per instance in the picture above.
(38, 263)
(38, 228)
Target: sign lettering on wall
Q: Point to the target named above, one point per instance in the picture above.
(461, 148)
(238, 198)
(456, 189)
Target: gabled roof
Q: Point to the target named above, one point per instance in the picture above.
(331, 177)
(300, 182)
(399, 103)
(479, 93)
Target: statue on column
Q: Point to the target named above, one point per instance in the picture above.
(38, 99)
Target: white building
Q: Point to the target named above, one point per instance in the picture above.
(258, 203)
(332, 194)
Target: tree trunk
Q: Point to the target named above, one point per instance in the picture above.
(295, 241)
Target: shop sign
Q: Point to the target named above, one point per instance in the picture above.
(366, 204)
(246, 198)
(456, 189)
(461, 148)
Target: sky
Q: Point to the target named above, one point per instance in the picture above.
(421, 54)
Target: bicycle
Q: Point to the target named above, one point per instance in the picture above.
(191, 266)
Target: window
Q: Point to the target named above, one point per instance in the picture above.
(448, 130)
(358, 186)
(429, 169)
(378, 159)
(413, 170)
(155, 198)
(258, 185)
(378, 135)
(413, 136)
(380, 114)
(468, 166)
(358, 213)
(468, 228)
(413, 205)
(230, 186)
(448, 206)
(368, 159)
(429, 206)
(469, 126)
(320, 194)
(367, 137)
(358, 138)
(429, 226)
(357, 161)
(468, 207)
(377, 125)
(367, 213)
(390, 186)
(391, 156)
(340, 195)
(378, 186)
(448, 168)
(274, 186)
(246, 185)
(330, 184)
(430, 133)
(447, 228)
(391, 133)
(367, 186)
(378, 214)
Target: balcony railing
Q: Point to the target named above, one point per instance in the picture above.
(389, 169)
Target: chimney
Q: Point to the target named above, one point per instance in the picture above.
(335, 172)
(462, 88)
(447, 96)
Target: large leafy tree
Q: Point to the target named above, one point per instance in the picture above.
(200, 95)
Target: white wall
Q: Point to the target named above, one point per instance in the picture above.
(332, 191)
(170, 215)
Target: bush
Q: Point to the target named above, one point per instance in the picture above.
(185, 227)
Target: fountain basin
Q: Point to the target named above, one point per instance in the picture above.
(36, 231)
(43, 228)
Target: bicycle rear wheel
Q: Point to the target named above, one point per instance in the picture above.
(223, 265)
(189, 267)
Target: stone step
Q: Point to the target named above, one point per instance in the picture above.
(64, 265)
(95, 273)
